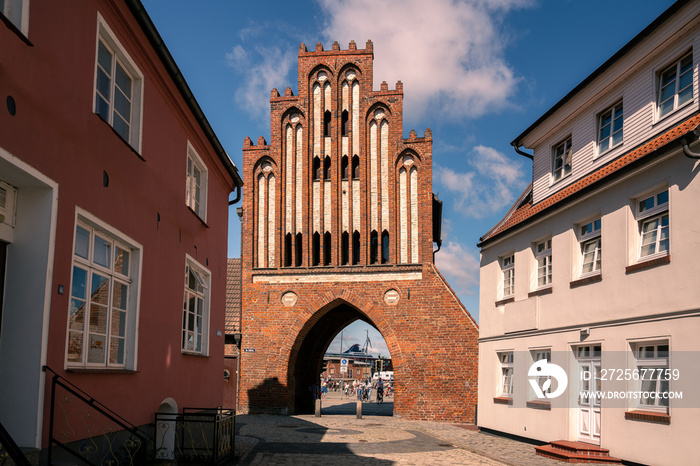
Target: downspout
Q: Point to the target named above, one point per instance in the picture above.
(238, 195)
(516, 146)
(686, 150)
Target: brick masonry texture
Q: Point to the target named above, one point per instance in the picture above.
(431, 336)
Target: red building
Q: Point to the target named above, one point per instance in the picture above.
(114, 203)
(339, 222)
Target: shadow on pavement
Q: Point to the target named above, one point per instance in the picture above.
(261, 438)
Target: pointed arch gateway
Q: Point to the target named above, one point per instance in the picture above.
(307, 343)
(349, 244)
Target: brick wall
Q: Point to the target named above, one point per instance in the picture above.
(291, 314)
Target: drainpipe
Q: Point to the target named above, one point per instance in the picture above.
(686, 150)
(516, 146)
(238, 196)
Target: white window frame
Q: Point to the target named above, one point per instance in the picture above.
(120, 57)
(508, 275)
(543, 261)
(196, 196)
(674, 99)
(589, 236)
(11, 9)
(505, 360)
(195, 335)
(611, 118)
(651, 208)
(537, 355)
(129, 278)
(566, 153)
(651, 359)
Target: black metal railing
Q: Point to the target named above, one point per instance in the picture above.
(85, 429)
(195, 436)
(9, 449)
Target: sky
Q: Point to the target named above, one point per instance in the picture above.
(476, 72)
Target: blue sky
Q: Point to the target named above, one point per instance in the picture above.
(477, 73)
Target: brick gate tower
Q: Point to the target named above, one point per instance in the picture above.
(337, 226)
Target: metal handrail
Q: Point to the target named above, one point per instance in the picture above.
(9, 445)
(60, 381)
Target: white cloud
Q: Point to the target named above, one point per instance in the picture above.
(491, 187)
(459, 266)
(448, 53)
(263, 68)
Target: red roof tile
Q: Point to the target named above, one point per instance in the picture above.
(233, 296)
(520, 215)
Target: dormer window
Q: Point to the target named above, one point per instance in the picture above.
(676, 85)
(610, 128)
(561, 163)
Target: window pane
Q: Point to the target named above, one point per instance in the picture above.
(123, 81)
(121, 126)
(96, 351)
(103, 85)
(76, 320)
(116, 351)
(122, 105)
(100, 289)
(121, 260)
(82, 242)
(119, 295)
(663, 239)
(102, 108)
(98, 319)
(118, 323)
(102, 251)
(646, 204)
(75, 346)
(104, 58)
(79, 285)
(662, 198)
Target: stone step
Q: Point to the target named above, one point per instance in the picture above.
(576, 452)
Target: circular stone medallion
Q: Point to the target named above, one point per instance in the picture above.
(289, 299)
(391, 296)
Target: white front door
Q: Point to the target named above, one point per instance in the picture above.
(589, 386)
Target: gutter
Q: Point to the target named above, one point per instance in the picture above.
(689, 135)
(673, 9)
(156, 41)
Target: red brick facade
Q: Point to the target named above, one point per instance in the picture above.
(330, 241)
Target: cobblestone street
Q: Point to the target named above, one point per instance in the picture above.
(376, 439)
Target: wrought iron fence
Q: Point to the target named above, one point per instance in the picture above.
(83, 428)
(195, 436)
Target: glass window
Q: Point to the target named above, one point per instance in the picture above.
(506, 362)
(508, 270)
(195, 316)
(610, 128)
(118, 89)
(561, 165)
(544, 382)
(652, 365)
(113, 91)
(654, 228)
(196, 183)
(100, 306)
(543, 254)
(590, 244)
(675, 86)
(17, 11)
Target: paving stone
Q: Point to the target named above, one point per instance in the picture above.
(372, 440)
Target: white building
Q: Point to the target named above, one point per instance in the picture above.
(596, 269)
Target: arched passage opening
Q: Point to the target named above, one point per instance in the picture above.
(312, 343)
